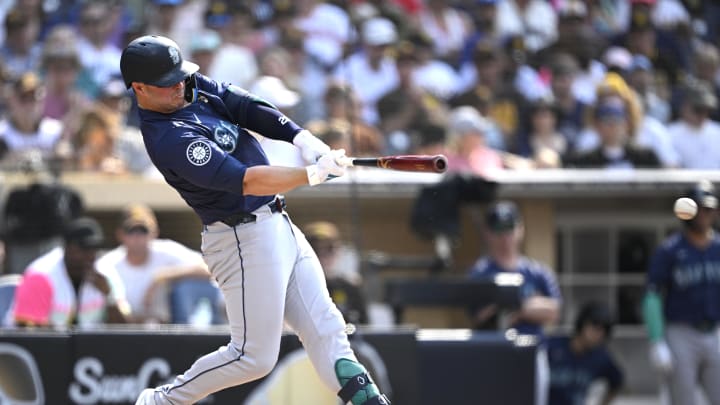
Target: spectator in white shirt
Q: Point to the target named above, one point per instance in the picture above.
(21, 51)
(147, 265)
(327, 29)
(431, 74)
(446, 26)
(695, 137)
(234, 61)
(97, 54)
(25, 132)
(534, 19)
(371, 72)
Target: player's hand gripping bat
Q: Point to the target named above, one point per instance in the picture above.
(408, 163)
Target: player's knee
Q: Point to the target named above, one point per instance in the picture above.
(261, 362)
(257, 361)
(265, 365)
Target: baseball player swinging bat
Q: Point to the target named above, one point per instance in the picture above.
(408, 163)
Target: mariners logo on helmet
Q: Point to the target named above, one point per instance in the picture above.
(199, 153)
(174, 55)
(226, 136)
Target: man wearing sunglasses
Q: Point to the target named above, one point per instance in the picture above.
(25, 131)
(64, 288)
(150, 268)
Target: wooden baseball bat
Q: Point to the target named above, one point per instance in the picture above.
(407, 163)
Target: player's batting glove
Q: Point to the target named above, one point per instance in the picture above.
(326, 167)
(661, 356)
(310, 146)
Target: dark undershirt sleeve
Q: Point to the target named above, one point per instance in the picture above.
(271, 123)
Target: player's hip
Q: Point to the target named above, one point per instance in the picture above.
(266, 244)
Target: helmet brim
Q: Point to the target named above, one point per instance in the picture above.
(180, 73)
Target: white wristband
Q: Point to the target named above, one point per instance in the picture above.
(313, 175)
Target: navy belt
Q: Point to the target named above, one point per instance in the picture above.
(276, 205)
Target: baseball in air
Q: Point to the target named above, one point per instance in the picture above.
(685, 208)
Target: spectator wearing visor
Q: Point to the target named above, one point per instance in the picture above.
(615, 126)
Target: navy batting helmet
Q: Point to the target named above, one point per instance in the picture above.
(154, 60)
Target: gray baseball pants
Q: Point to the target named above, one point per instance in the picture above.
(268, 274)
(696, 360)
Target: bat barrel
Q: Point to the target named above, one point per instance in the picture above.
(409, 163)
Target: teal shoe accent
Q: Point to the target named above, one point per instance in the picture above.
(346, 370)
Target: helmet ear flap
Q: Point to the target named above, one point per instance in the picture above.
(191, 90)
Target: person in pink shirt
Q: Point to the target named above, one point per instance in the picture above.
(63, 288)
(466, 148)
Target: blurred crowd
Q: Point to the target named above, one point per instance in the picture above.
(493, 84)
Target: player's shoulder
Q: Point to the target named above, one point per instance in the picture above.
(674, 241)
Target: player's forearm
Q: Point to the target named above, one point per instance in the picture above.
(653, 316)
(541, 310)
(270, 180)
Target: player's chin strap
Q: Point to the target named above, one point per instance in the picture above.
(357, 386)
(191, 89)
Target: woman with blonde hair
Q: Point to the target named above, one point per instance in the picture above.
(93, 144)
(644, 131)
(615, 118)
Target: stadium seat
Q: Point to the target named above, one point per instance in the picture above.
(8, 283)
(187, 294)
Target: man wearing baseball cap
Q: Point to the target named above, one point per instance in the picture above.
(157, 269)
(541, 298)
(371, 72)
(63, 288)
(681, 307)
